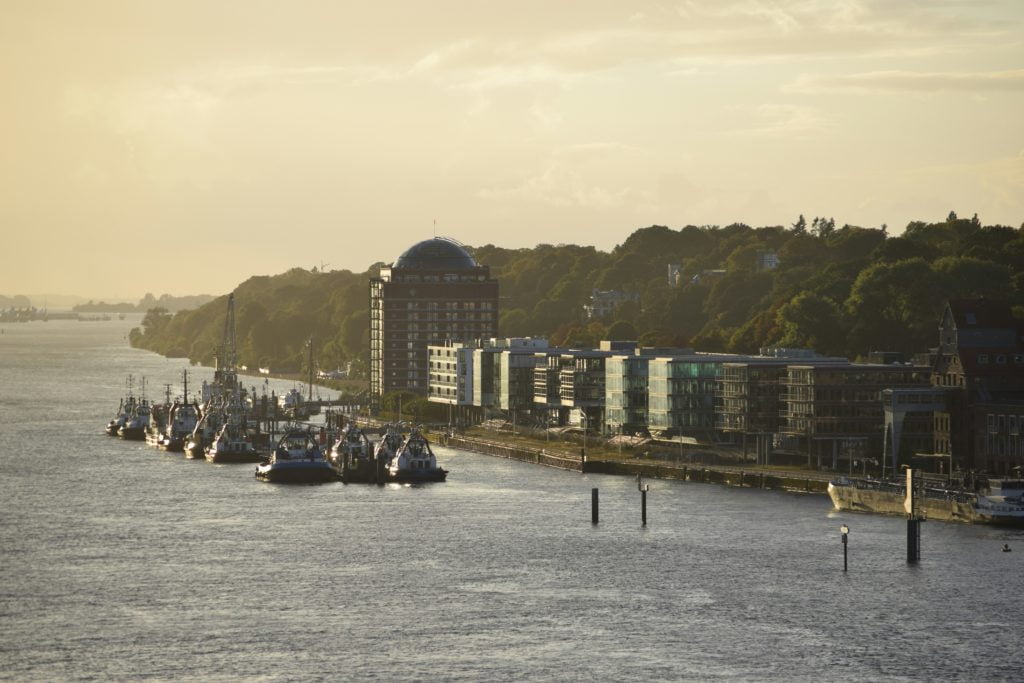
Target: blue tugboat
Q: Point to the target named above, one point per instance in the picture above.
(297, 460)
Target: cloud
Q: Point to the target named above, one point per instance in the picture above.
(587, 176)
(782, 120)
(911, 81)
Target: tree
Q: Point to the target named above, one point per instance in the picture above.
(894, 306)
(155, 321)
(514, 323)
(800, 227)
(621, 330)
(968, 278)
(811, 321)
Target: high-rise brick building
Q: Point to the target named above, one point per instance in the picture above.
(435, 291)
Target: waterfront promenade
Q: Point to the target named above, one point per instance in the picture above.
(604, 459)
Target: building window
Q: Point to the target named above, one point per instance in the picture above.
(982, 359)
(1000, 359)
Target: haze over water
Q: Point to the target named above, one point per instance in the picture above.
(120, 561)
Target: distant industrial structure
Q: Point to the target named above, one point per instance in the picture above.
(434, 292)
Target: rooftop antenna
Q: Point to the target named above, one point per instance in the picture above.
(435, 228)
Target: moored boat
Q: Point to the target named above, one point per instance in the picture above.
(181, 422)
(124, 412)
(232, 445)
(415, 461)
(135, 428)
(353, 458)
(124, 409)
(1002, 504)
(297, 459)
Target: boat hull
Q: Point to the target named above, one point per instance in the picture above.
(297, 472)
(879, 499)
(173, 445)
(132, 433)
(417, 477)
(234, 457)
(363, 472)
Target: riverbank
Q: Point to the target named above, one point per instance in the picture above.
(599, 461)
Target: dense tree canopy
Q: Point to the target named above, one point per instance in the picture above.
(842, 291)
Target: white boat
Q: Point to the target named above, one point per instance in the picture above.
(124, 409)
(415, 461)
(297, 460)
(181, 421)
(1002, 503)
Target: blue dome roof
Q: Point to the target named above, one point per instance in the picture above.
(436, 254)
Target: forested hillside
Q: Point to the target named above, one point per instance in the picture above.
(844, 291)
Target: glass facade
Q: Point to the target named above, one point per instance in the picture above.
(683, 395)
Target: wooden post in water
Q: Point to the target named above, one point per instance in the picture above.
(913, 540)
(912, 504)
(593, 506)
(643, 499)
(845, 530)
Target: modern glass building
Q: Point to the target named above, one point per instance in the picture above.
(682, 396)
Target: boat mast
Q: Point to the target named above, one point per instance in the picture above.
(310, 345)
(226, 357)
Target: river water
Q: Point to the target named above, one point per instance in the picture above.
(120, 561)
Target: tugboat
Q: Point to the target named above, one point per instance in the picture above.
(384, 452)
(182, 418)
(124, 409)
(124, 413)
(415, 461)
(135, 428)
(296, 460)
(182, 421)
(353, 457)
(232, 445)
(211, 418)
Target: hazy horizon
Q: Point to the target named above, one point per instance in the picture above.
(182, 147)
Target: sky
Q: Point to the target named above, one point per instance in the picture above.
(183, 146)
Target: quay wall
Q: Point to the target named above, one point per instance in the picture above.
(704, 474)
(760, 479)
(535, 455)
